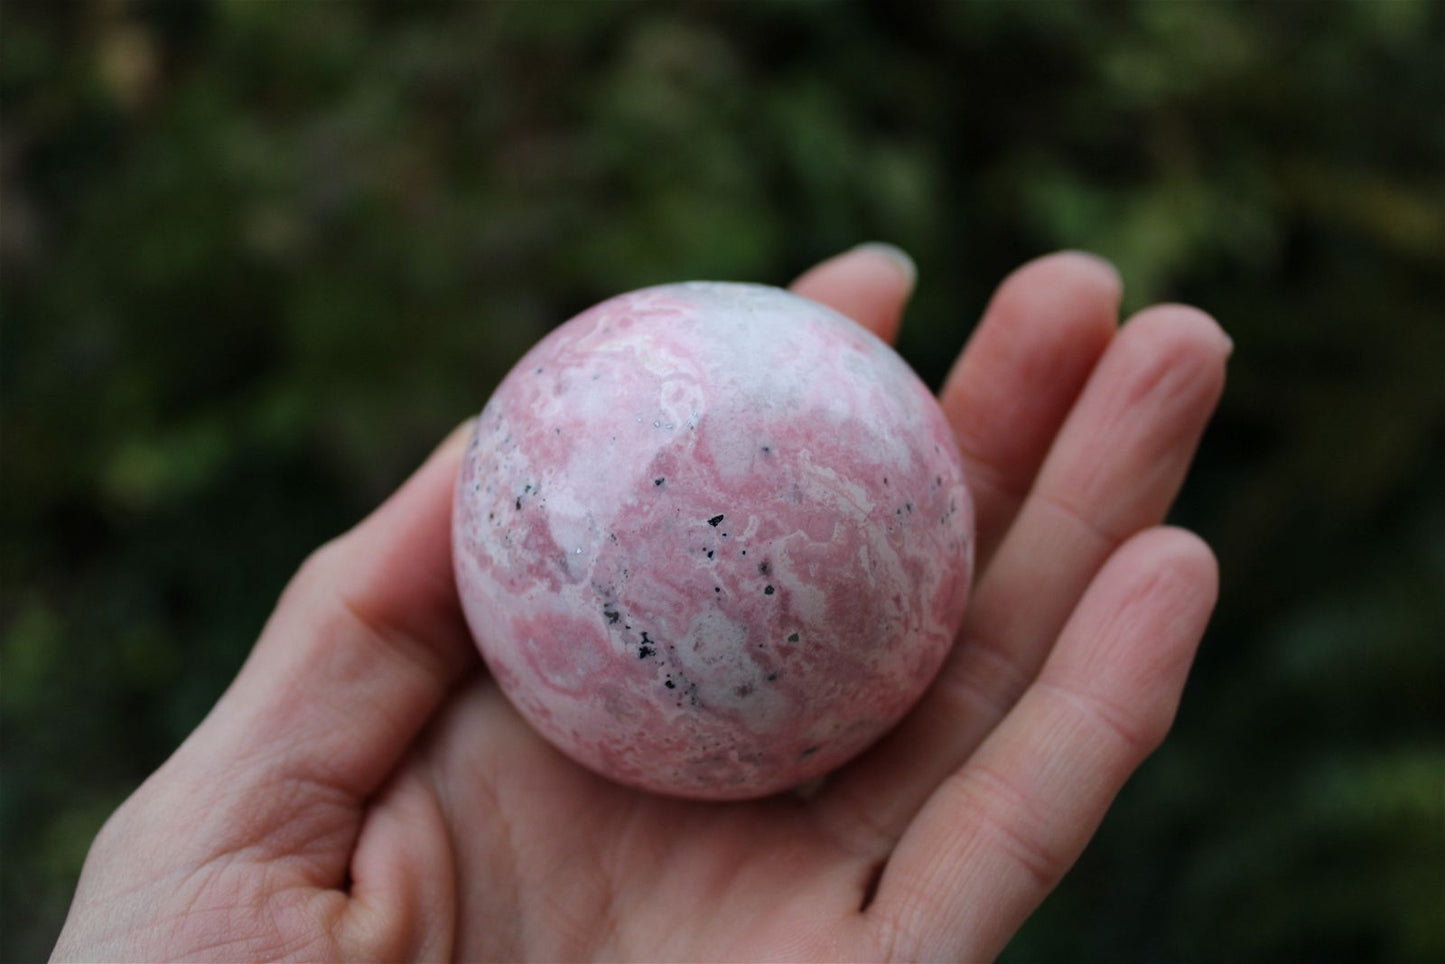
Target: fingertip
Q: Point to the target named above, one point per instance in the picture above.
(1195, 560)
(901, 261)
(1185, 325)
(456, 440)
(1162, 573)
(425, 495)
(1064, 278)
(870, 284)
(1095, 265)
(1182, 551)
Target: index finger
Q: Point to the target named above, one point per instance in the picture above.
(870, 284)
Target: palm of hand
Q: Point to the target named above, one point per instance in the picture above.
(347, 798)
(598, 870)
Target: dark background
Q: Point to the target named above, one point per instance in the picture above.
(259, 257)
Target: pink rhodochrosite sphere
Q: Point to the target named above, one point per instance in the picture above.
(712, 539)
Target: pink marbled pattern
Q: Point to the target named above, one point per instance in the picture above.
(712, 539)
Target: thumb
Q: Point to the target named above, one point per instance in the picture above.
(365, 643)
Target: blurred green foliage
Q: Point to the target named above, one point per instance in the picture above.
(259, 257)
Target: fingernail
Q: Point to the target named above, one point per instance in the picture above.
(895, 254)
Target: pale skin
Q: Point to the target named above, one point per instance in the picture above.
(364, 791)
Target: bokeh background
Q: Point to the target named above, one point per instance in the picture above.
(259, 257)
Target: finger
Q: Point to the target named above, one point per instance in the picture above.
(362, 647)
(1040, 337)
(870, 284)
(1113, 470)
(1001, 832)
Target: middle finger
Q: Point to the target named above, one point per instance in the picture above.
(1114, 469)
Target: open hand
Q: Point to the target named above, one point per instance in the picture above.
(363, 790)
